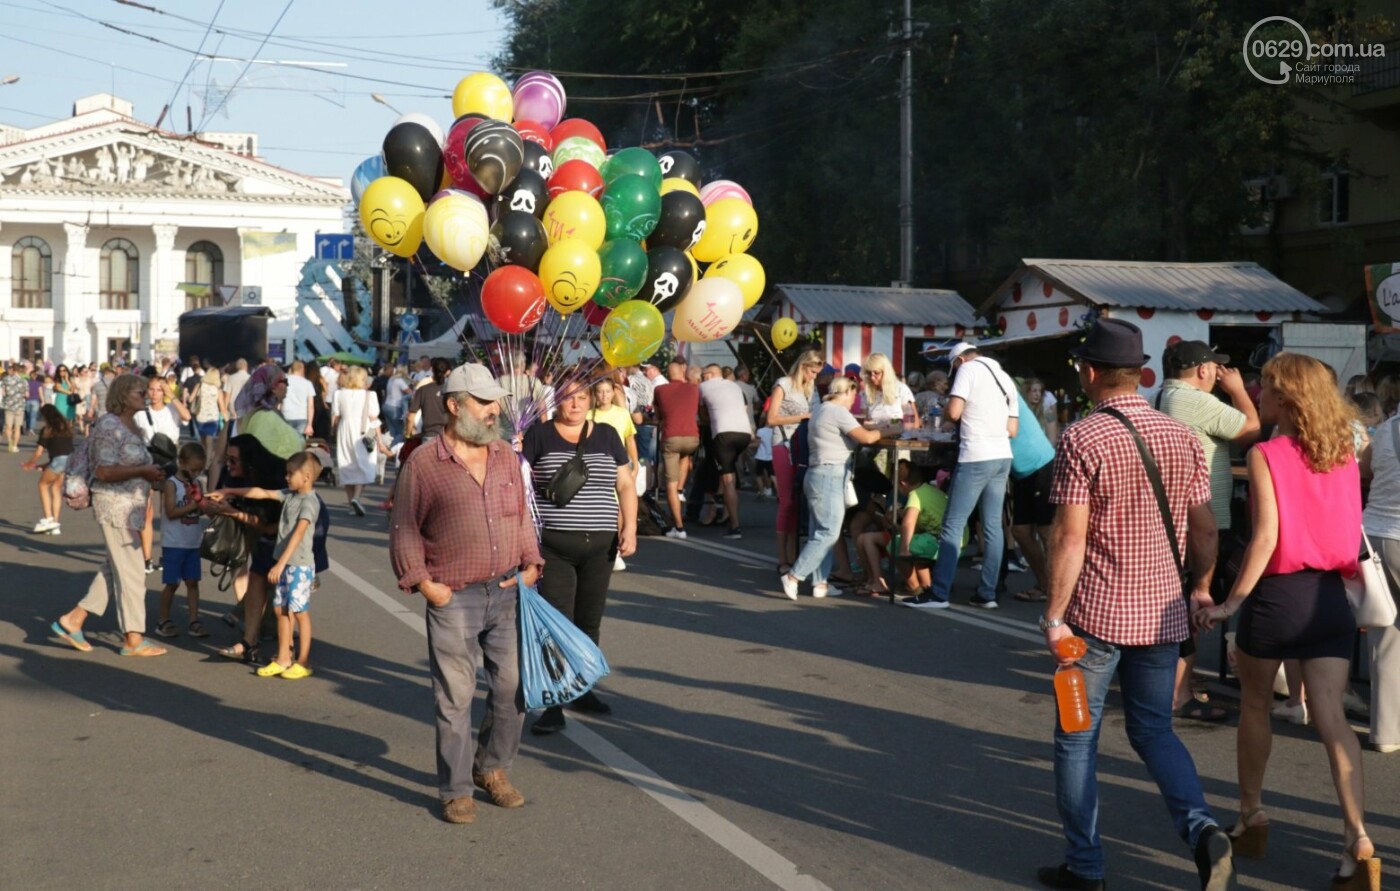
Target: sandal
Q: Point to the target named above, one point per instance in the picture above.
(1199, 711)
(1250, 836)
(167, 629)
(144, 648)
(197, 629)
(1367, 874)
(241, 651)
(1030, 595)
(73, 638)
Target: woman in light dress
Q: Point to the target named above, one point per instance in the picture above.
(355, 414)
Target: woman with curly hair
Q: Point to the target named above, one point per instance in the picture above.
(1305, 493)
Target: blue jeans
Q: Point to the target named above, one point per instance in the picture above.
(974, 482)
(646, 444)
(825, 487)
(1146, 677)
(31, 415)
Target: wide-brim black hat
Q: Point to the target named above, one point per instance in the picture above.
(1112, 343)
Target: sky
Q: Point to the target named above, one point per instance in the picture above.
(318, 119)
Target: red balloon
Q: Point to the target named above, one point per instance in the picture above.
(535, 132)
(577, 127)
(576, 176)
(512, 298)
(454, 155)
(595, 314)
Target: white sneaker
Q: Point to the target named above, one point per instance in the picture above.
(45, 524)
(618, 564)
(825, 590)
(767, 493)
(1386, 748)
(678, 534)
(682, 497)
(55, 530)
(790, 584)
(1294, 714)
(1355, 705)
(1018, 566)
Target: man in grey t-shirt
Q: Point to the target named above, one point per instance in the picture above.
(731, 431)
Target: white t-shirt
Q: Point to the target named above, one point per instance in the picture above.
(331, 378)
(886, 413)
(990, 396)
(725, 403)
(151, 421)
(299, 390)
(1382, 515)
(182, 532)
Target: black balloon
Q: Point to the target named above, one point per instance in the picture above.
(518, 238)
(680, 164)
(682, 221)
(538, 160)
(412, 153)
(495, 154)
(668, 277)
(528, 192)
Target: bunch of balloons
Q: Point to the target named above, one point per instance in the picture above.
(537, 204)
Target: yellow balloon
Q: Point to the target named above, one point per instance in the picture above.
(730, 227)
(456, 229)
(672, 183)
(744, 271)
(694, 268)
(576, 215)
(392, 214)
(483, 93)
(784, 334)
(570, 271)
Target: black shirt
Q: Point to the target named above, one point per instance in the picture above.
(427, 399)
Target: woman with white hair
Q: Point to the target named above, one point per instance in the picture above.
(887, 399)
(355, 422)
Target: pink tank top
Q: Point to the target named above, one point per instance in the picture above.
(1319, 514)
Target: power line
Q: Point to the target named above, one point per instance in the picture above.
(208, 115)
(194, 60)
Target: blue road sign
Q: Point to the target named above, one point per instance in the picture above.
(335, 246)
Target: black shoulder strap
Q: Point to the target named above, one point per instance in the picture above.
(583, 437)
(1154, 475)
(996, 380)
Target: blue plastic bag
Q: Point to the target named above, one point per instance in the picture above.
(558, 663)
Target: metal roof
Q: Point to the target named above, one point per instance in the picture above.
(849, 305)
(1186, 287)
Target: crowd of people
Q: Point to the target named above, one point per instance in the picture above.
(1130, 520)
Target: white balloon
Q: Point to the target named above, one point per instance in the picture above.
(456, 229)
(418, 117)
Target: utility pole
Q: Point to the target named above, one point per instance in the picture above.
(906, 153)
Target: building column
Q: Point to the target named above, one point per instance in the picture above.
(159, 311)
(74, 298)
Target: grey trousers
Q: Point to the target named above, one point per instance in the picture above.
(479, 623)
(1384, 644)
(122, 578)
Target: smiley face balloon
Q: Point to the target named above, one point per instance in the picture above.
(730, 228)
(570, 271)
(392, 213)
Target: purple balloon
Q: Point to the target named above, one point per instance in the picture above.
(539, 97)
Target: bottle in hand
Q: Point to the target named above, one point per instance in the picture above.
(1070, 695)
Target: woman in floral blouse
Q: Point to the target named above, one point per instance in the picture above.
(122, 474)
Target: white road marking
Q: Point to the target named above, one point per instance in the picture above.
(759, 857)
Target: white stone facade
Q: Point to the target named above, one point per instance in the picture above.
(101, 178)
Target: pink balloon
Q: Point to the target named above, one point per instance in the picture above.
(723, 188)
(454, 154)
(595, 314)
(539, 96)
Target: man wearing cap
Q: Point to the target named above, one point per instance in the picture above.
(1114, 583)
(460, 532)
(1193, 370)
(983, 403)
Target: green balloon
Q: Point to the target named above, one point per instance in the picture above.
(631, 206)
(633, 161)
(624, 272)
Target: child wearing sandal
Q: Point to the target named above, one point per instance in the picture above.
(180, 537)
(295, 570)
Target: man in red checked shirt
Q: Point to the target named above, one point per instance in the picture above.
(461, 530)
(1115, 582)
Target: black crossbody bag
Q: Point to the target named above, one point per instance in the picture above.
(571, 476)
(1154, 476)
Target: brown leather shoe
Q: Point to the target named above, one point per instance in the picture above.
(498, 786)
(459, 810)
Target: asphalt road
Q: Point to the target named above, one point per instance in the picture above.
(755, 743)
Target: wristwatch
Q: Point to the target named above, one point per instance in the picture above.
(1047, 624)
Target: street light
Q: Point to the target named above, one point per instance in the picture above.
(8, 79)
(382, 101)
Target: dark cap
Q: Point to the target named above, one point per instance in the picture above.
(1112, 343)
(1190, 353)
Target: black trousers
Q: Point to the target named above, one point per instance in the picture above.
(578, 569)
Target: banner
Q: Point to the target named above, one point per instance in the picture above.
(265, 244)
(1383, 292)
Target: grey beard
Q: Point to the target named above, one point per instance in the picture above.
(474, 432)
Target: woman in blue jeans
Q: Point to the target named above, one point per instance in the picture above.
(832, 436)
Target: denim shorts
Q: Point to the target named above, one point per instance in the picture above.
(207, 429)
(294, 589)
(58, 464)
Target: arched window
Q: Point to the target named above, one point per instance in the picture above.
(31, 271)
(118, 276)
(204, 265)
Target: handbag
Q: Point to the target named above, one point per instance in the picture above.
(848, 489)
(571, 475)
(77, 483)
(558, 662)
(1154, 475)
(366, 438)
(1368, 591)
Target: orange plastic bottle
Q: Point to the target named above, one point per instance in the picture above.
(1070, 694)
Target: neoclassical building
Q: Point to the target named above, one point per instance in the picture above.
(114, 228)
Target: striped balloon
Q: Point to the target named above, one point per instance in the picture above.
(721, 189)
(539, 96)
(495, 153)
(578, 148)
